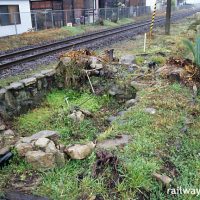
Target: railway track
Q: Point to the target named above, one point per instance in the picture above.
(22, 56)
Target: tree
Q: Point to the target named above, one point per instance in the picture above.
(168, 17)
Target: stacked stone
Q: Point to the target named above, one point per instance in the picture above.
(20, 96)
(41, 150)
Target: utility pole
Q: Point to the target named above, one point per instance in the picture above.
(168, 17)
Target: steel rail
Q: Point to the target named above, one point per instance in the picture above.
(85, 39)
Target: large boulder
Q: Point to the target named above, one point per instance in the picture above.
(40, 159)
(79, 151)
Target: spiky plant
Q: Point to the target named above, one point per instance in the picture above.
(194, 48)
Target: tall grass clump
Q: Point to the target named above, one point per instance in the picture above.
(194, 49)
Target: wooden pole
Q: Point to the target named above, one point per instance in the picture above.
(168, 17)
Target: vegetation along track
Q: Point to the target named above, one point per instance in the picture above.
(18, 57)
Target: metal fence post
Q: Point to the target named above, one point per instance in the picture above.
(15, 23)
(118, 13)
(35, 17)
(93, 15)
(45, 18)
(52, 20)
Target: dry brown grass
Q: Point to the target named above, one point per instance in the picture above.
(32, 38)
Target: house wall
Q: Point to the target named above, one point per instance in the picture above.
(24, 9)
(151, 3)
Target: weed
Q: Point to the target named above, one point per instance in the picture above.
(194, 49)
(139, 60)
(158, 60)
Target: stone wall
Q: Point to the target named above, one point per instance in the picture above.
(19, 97)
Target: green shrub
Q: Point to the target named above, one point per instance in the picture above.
(194, 49)
(99, 22)
(114, 17)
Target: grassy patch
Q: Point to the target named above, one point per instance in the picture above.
(157, 137)
(72, 181)
(52, 115)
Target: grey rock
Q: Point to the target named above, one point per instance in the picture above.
(23, 148)
(79, 151)
(115, 90)
(111, 119)
(121, 113)
(112, 143)
(40, 159)
(15, 86)
(138, 86)
(4, 150)
(52, 135)
(96, 66)
(86, 112)
(42, 142)
(29, 81)
(2, 93)
(8, 133)
(151, 111)
(112, 68)
(39, 76)
(51, 147)
(102, 72)
(2, 126)
(48, 72)
(77, 116)
(39, 85)
(96, 72)
(130, 103)
(127, 60)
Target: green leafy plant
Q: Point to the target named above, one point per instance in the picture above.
(194, 48)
